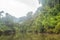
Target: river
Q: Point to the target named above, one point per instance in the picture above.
(30, 36)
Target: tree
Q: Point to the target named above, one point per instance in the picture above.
(1, 13)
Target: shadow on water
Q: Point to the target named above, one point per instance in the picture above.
(1, 33)
(30, 36)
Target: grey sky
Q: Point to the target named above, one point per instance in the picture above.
(18, 8)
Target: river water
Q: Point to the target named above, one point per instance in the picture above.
(30, 36)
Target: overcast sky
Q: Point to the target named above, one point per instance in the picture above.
(18, 8)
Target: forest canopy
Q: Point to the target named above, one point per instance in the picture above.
(46, 19)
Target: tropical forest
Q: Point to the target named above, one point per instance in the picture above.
(44, 24)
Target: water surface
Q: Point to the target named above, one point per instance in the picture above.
(30, 36)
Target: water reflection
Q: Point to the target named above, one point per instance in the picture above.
(31, 36)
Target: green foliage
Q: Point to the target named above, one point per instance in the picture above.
(46, 19)
(57, 28)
